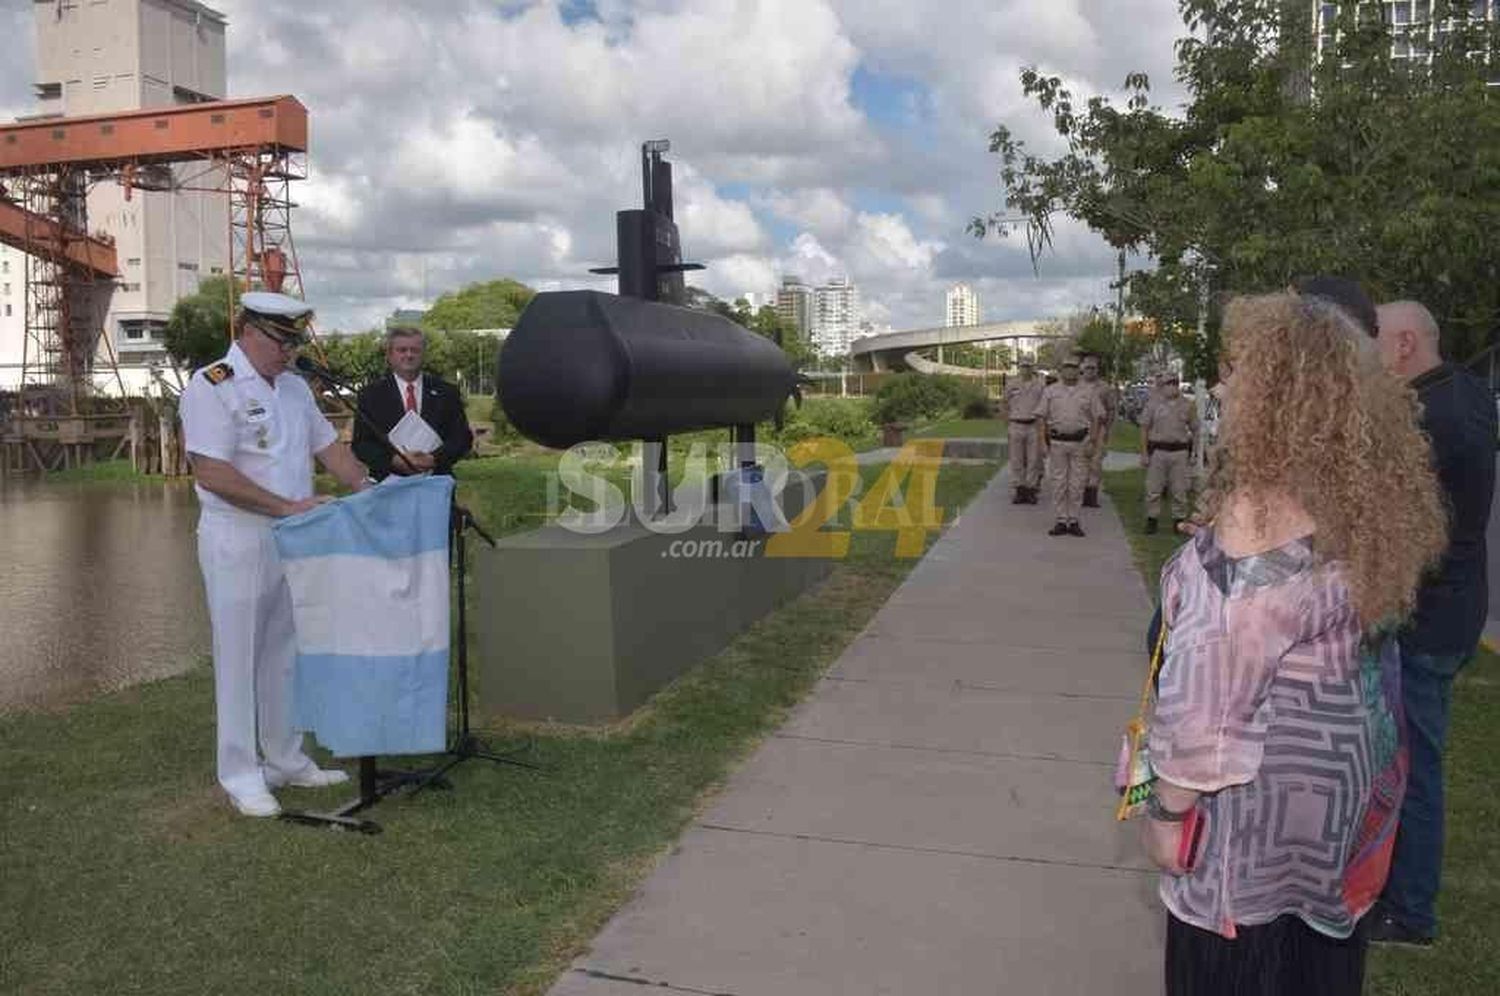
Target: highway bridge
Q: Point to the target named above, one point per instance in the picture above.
(895, 350)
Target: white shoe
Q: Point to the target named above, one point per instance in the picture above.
(310, 778)
(256, 804)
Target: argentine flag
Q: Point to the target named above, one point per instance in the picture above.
(369, 581)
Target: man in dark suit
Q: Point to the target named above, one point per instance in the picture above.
(387, 400)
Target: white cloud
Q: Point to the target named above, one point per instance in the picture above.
(468, 139)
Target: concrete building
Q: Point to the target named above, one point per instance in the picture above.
(794, 305)
(12, 316)
(1414, 31)
(835, 317)
(962, 306)
(104, 56)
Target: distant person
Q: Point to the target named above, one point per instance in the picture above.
(1023, 396)
(1067, 423)
(1458, 415)
(1110, 398)
(1277, 648)
(1168, 432)
(386, 400)
(251, 431)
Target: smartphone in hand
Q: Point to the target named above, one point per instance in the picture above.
(1191, 841)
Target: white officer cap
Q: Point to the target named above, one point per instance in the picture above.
(283, 314)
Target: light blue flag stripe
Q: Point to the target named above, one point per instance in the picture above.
(401, 517)
(363, 706)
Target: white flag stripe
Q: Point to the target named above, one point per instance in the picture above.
(370, 606)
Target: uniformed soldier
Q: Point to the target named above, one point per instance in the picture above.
(1168, 431)
(1023, 395)
(1110, 398)
(251, 430)
(1069, 417)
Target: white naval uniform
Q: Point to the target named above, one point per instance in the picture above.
(269, 434)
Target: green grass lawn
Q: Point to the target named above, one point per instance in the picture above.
(125, 871)
(965, 428)
(1125, 435)
(1464, 961)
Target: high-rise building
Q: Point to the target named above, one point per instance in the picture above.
(962, 306)
(12, 315)
(1414, 30)
(794, 305)
(107, 56)
(835, 316)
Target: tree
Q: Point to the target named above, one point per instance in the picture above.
(1095, 333)
(357, 359)
(493, 304)
(197, 331)
(1281, 166)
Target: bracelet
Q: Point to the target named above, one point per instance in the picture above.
(1156, 811)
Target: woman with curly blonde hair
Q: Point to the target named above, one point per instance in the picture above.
(1278, 711)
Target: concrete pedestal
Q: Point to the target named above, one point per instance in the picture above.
(581, 629)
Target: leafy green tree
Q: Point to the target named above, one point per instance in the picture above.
(1282, 166)
(355, 358)
(197, 331)
(492, 304)
(1117, 353)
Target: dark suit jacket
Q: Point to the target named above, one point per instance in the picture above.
(442, 408)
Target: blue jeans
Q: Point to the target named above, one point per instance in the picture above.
(1417, 866)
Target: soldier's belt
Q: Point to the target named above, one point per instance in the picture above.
(1168, 447)
(1023, 421)
(1068, 437)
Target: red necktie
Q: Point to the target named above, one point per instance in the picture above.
(411, 398)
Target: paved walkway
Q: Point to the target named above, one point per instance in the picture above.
(936, 817)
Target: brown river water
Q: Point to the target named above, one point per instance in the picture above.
(99, 588)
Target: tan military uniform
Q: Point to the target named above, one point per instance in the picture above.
(1110, 398)
(1069, 414)
(1022, 399)
(1169, 426)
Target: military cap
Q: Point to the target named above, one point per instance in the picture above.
(281, 315)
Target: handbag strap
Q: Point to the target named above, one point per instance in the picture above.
(1151, 673)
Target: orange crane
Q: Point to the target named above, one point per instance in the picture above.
(250, 150)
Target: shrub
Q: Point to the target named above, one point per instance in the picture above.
(908, 397)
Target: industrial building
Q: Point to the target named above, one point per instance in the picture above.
(107, 57)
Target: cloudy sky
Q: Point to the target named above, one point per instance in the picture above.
(463, 140)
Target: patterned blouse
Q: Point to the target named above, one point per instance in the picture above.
(1273, 705)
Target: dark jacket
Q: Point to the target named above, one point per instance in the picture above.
(442, 408)
(1458, 415)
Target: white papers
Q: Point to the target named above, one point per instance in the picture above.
(414, 435)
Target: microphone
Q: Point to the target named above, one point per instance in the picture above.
(314, 369)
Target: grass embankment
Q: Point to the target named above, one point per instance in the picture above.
(126, 871)
(1464, 961)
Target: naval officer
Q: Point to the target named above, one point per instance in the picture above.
(251, 430)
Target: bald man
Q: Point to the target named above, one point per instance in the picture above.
(1458, 415)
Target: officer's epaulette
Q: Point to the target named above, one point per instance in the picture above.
(218, 373)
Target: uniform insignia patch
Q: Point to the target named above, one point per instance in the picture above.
(219, 373)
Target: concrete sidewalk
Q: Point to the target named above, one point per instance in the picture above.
(937, 817)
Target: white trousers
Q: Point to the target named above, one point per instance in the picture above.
(250, 608)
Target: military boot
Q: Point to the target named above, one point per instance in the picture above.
(1090, 497)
